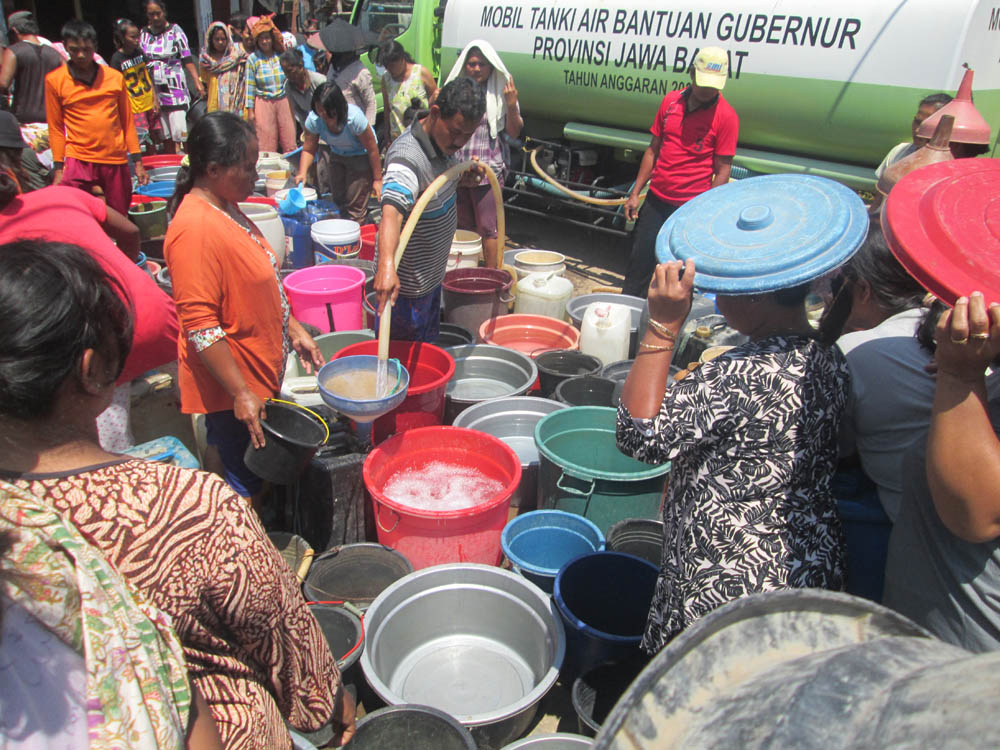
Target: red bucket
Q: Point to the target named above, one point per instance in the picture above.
(430, 368)
(162, 160)
(368, 232)
(432, 537)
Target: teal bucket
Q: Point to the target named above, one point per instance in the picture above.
(582, 471)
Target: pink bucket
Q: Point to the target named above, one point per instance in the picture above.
(327, 296)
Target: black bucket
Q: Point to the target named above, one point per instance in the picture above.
(588, 390)
(596, 693)
(355, 573)
(345, 636)
(292, 435)
(642, 537)
(556, 365)
(411, 727)
(452, 334)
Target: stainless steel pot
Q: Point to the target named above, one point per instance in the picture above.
(480, 643)
(484, 371)
(513, 420)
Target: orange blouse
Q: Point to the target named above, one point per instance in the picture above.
(226, 284)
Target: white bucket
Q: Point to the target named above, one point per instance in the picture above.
(466, 250)
(269, 161)
(605, 331)
(308, 193)
(269, 223)
(337, 238)
(276, 181)
(543, 294)
(539, 261)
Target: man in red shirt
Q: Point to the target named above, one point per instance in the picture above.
(90, 122)
(692, 149)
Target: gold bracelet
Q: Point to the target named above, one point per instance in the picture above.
(657, 326)
(655, 348)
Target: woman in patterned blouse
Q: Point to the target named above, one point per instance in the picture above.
(752, 437)
(181, 538)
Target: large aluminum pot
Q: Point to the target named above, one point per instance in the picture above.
(475, 641)
(483, 372)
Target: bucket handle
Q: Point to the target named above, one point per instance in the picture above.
(506, 299)
(573, 490)
(300, 406)
(378, 519)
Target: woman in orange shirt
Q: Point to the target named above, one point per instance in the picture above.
(236, 327)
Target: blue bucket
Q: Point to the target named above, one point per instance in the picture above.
(603, 599)
(158, 189)
(539, 543)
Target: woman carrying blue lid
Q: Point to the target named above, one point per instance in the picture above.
(751, 434)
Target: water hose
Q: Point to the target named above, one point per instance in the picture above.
(571, 193)
(411, 225)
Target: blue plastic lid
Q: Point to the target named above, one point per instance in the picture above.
(765, 233)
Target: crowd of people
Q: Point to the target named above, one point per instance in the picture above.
(883, 411)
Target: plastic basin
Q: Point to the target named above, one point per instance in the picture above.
(559, 364)
(430, 368)
(539, 543)
(292, 435)
(588, 390)
(531, 334)
(355, 573)
(411, 726)
(642, 537)
(470, 296)
(431, 536)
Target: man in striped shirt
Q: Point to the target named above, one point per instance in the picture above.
(414, 160)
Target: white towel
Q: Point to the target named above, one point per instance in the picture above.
(496, 107)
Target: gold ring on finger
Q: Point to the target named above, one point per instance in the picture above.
(979, 336)
(959, 341)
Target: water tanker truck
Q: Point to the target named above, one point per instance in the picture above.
(825, 88)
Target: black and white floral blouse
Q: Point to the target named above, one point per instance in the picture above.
(753, 440)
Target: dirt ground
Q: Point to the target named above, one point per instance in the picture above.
(595, 261)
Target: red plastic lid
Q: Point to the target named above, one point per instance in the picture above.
(942, 222)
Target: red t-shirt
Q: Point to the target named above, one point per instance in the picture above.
(689, 143)
(65, 214)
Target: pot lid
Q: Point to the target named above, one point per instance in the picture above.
(765, 233)
(942, 222)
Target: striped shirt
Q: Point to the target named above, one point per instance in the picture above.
(412, 163)
(490, 151)
(265, 78)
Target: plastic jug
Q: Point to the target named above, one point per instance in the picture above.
(543, 294)
(703, 333)
(605, 331)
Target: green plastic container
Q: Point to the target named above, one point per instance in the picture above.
(150, 216)
(582, 471)
(329, 344)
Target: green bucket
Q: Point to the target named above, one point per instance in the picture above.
(151, 218)
(581, 470)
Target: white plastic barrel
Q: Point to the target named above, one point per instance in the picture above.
(605, 331)
(269, 223)
(337, 238)
(543, 294)
(466, 250)
(275, 181)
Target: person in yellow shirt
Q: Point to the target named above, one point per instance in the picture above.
(131, 62)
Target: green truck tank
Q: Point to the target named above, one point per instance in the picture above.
(822, 87)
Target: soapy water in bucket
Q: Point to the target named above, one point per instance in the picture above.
(441, 486)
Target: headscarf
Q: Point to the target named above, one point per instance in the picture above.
(137, 682)
(230, 70)
(266, 25)
(496, 107)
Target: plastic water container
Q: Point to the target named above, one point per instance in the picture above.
(275, 181)
(605, 331)
(298, 241)
(308, 193)
(466, 250)
(266, 219)
(337, 238)
(327, 296)
(543, 294)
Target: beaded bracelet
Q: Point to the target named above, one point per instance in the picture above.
(657, 326)
(655, 348)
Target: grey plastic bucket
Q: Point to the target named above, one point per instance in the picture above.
(808, 669)
(642, 537)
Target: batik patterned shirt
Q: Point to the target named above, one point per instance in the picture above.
(752, 437)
